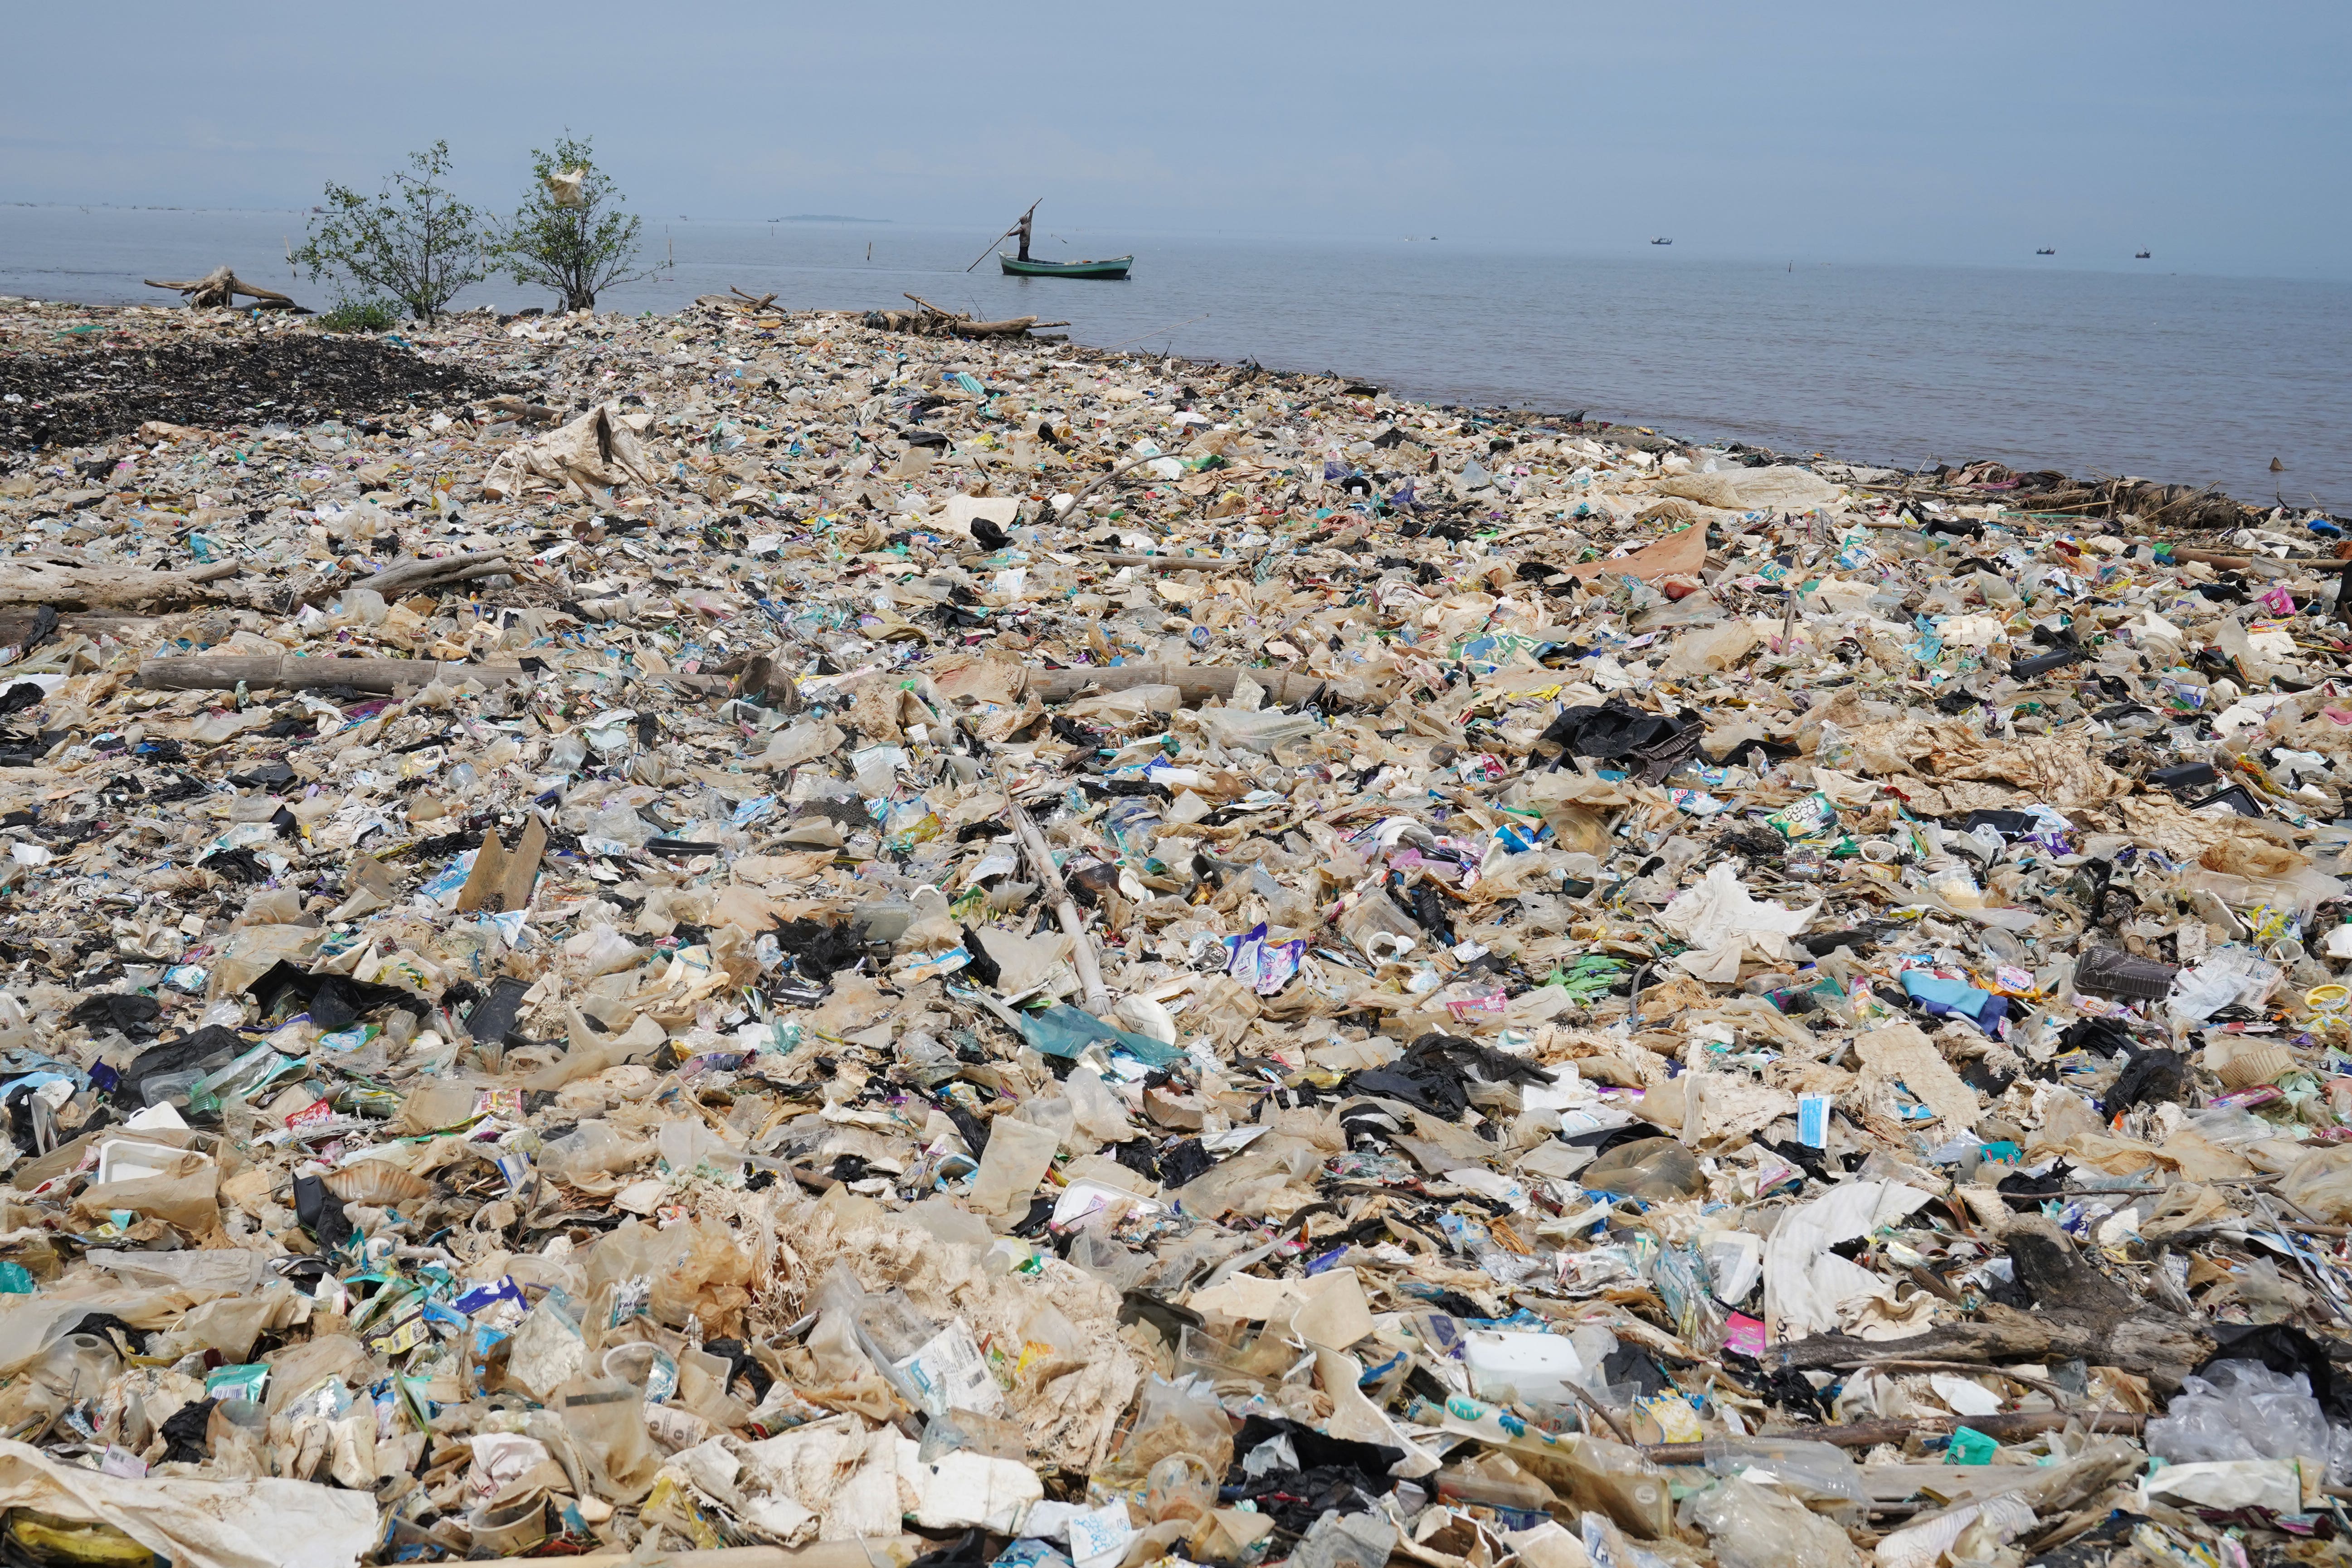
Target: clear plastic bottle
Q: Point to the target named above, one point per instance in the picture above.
(2004, 946)
(1180, 1487)
(78, 1367)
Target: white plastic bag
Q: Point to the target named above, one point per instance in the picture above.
(2241, 1410)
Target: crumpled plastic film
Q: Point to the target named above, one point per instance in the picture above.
(757, 931)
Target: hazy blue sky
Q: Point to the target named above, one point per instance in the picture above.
(2217, 135)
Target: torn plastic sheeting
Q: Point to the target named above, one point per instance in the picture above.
(1723, 922)
(1804, 1282)
(264, 1523)
(1357, 1420)
(1065, 1031)
(1923, 1543)
(2276, 1485)
(597, 450)
(964, 1491)
(1677, 555)
(1958, 998)
(1901, 1053)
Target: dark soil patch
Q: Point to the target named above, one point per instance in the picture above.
(78, 398)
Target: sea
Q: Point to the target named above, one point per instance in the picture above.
(2093, 366)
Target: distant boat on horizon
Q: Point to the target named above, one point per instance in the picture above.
(1022, 265)
(2140, 255)
(2047, 250)
(1661, 242)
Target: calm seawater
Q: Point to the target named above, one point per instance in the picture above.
(2183, 379)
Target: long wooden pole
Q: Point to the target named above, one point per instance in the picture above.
(2009, 1428)
(866, 1551)
(991, 245)
(1065, 909)
(205, 673)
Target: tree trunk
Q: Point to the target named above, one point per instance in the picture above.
(2078, 1313)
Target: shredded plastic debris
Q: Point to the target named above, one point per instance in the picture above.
(753, 934)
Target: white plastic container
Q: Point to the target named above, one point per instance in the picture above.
(1507, 1365)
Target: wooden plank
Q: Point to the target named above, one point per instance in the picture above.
(486, 881)
(521, 873)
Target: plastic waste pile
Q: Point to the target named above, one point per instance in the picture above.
(744, 939)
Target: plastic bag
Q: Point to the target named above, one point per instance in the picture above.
(1101, 1115)
(1754, 1526)
(2320, 1184)
(606, 1418)
(251, 952)
(1651, 1169)
(2241, 1410)
(688, 1271)
(604, 951)
(935, 1368)
(1346, 1541)
(1813, 1472)
(2232, 974)
(1608, 1478)
(804, 743)
(1016, 1159)
(1064, 1031)
(1260, 732)
(1120, 1267)
(706, 1280)
(587, 1151)
(1173, 1418)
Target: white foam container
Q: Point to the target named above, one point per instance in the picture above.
(1506, 1364)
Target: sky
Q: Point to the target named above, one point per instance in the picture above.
(2219, 137)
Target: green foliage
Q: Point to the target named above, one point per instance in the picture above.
(413, 240)
(361, 316)
(578, 250)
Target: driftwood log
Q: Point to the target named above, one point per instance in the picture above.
(1083, 957)
(290, 672)
(524, 409)
(1078, 497)
(932, 320)
(29, 627)
(1180, 562)
(408, 573)
(218, 290)
(2078, 1313)
(1194, 684)
(67, 587)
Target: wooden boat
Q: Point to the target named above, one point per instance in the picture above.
(1113, 268)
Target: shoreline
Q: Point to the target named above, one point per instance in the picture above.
(2133, 503)
(2195, 381)
(730, 740)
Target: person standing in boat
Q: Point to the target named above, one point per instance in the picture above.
(1022, 230)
